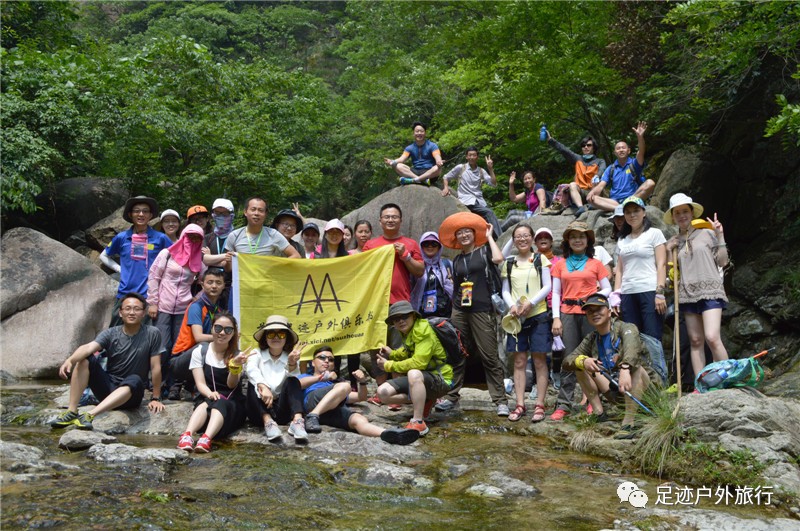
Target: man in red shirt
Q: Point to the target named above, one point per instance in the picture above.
(407, 262)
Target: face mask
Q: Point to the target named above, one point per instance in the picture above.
(222, 224)
(587, 158)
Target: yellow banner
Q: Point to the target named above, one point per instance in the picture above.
(341, 302)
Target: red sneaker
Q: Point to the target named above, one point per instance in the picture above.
(395, 407)
(203, 445)
(418, 425)
(558, 414)
(186, 442)
(375, 400)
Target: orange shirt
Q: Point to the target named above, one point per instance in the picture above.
(578, 284)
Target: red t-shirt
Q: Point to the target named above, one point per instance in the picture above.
(401, 277)
(578, 284)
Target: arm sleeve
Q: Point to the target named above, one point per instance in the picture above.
(546, 286)
(607, 174)
(507, 290)
(454, 173)
(605, 286)
(564, 150)
(104, 339)
(108, 262)
(156, 344)
(556, 300)
(632, 347)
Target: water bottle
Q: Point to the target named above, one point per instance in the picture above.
(713, 379)
(499, 304)
(543, 133)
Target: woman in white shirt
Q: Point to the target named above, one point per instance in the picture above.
(274, 395)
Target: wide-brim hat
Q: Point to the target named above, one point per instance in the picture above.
(511, 324)
(678, 200)
(458, 221)
(275, 322)
(579, 226)
(288, 213)
(400, 308)
(139, 199)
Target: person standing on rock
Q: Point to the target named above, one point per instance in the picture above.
(132, 350)
(137, 249)
(426, 160)
(701, 292)
(470, 178)
(325, 399)
(223, 214)
(588, 167)
(625, 176)
(407, 263)
(475, 281)
(421, 362)
(615, 347)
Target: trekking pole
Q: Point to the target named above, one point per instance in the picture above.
(627, 393)
(677, 329)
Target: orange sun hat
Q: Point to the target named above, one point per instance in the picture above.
(458, 221)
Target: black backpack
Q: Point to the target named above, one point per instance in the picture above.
(451, 339)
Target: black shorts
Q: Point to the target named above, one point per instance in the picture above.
(338, 417)
(435, 386)
(102, 384)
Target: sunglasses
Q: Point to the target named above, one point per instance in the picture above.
(219, 329)
(325, 358)
(399, 318)
(273, 335)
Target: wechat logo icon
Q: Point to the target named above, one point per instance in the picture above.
(631, 493)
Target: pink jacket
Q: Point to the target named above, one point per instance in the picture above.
(169, 286)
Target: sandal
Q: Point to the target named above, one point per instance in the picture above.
(518, 413)
(538, 413)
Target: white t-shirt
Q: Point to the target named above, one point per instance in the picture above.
(197, 358)
(601, 254)
(638, 257)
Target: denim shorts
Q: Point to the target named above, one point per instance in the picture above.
(703, 306)
(535, 335)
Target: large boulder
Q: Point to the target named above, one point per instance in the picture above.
(99, 235)
(52, 300)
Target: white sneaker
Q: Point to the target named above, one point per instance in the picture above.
(272, 431)
(297, 429)
(534, 393)
(502, 410)
(445, 404)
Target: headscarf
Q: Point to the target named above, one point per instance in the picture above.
(223, 224)
(187, 253)
(434, 264)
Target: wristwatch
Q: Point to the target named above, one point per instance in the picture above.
(625, 366)
(155, 399)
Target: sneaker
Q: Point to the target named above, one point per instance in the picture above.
(627, 431)
(312, 424)
(399, 436)
(426, 411)
(580, 211)
(602, 417)
(174, 393)
(88, 399)
(590, 409)
(64, 420)
(502, 410)
(297, 429)
(395, 407)
(272, 431)
(559, 414)
(406, 180)
(84, 421)
(203, 445)
(556, 379)
(534, 394)
(375, 400)
(186, 442)
(418, 425)
(445, 404)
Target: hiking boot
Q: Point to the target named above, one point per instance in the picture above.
(272, 431)
(312, 424)
(375, 400)
(426, 411)
(399, 436)
(559, 414)
(84, 421)
(186, 442)
(297, 430)
(502, 410)
(445, 404)
(553, 210)
(418, 425)
(406, 180)
(203, 445)
(64, 420)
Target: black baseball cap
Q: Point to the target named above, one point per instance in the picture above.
(596, 299)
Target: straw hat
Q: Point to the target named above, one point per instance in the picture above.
(579, 226)
(458, 221)
(276, 322)
(678, 200)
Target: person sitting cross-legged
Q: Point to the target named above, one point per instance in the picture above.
(326, 398)
(421, 360)
(616, 349)
(132, 349)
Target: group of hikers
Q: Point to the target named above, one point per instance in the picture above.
(173, 332)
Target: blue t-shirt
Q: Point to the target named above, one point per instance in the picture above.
(625, 179)
(313, 387)
(133, 271)
(605, 352)
(195, 315)
(422, 156)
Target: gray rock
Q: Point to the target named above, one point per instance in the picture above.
(486, 491)
(48, 291)
(99, 235)
(749, 325)
(707, 519)
(81, 440)
(123, 453)
(681, 173)
(736, 419)
(12, 453)
(381, 474)
(512, 486)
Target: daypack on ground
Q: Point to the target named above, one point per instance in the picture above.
(729, 373)
(656, 350)
(450, 338)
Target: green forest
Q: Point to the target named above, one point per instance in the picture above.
(300, 101)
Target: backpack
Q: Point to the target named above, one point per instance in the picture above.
(451, 339)
(656, 350)
(728, 374)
